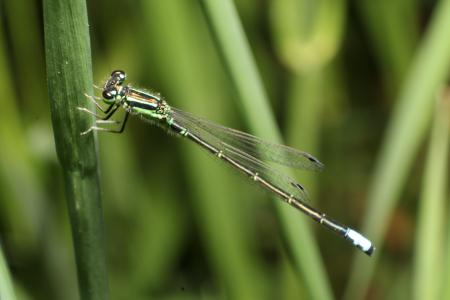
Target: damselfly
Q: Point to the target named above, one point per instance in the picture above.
(242, 151)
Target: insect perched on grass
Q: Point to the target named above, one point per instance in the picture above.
(242, 151)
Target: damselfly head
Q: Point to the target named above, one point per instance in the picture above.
(109, 94)
(117, 78)
(119, 75)
(113, 90)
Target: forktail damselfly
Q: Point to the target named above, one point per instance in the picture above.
(242, 151)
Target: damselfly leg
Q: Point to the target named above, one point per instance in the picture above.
(118, 130)
(104, 119)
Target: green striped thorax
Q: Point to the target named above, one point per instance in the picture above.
(133, 100)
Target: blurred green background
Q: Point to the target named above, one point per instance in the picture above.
(361, 85)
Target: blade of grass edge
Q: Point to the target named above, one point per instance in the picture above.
(6, 285)
(430, 223)
(69, 75)
(446, 262)
(236, 54)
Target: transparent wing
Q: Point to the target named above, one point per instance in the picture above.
(254, 146)
(240, 155)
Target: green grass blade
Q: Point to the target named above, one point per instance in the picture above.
(69, 76)
(239, 62)
(22, 197)
(430, 235)
(307, 34)
(6, 285)
(216, 204)
(406, 131)
(27, 46)
(393, 38)
(446, 287)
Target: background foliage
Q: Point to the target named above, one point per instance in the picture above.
(359, 84)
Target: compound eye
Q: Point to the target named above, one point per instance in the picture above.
(119, 75)
(109, 94)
